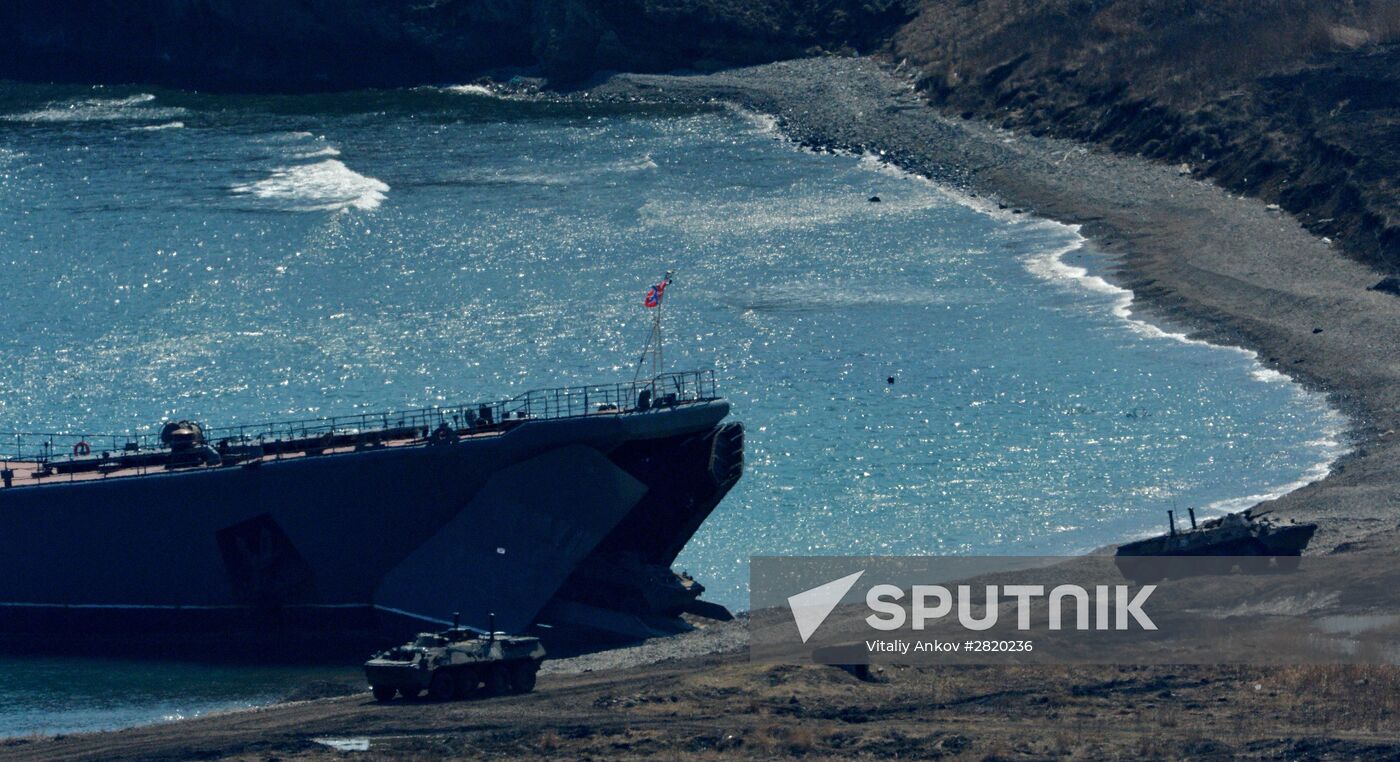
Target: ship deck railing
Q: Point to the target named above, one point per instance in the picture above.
(48, 450)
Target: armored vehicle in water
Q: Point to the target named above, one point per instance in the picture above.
(456, 663)
(1254, 542)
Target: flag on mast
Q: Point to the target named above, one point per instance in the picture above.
(653, 346)
(653, 297)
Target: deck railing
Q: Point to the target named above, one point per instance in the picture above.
(666, 390)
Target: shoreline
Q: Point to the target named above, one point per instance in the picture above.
(1228, 270)
(1335, 437)
(1054, 269)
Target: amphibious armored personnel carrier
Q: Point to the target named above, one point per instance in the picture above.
(456, 663)
(1254, 542)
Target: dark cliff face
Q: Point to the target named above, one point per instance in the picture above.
(1294, 101)
(283, 45)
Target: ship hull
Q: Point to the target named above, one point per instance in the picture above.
(372, 544)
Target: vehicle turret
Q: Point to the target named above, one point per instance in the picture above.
(456, 663)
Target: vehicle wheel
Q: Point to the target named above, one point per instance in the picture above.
(522, 677)
(383, 692)
(440, 688)
(498, 679)
(465, 683)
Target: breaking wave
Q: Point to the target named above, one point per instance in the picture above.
(133, 107)
(323, 186)
(1051, 266)
(472, 90)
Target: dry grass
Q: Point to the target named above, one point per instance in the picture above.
(785, 739)
(1359, 697)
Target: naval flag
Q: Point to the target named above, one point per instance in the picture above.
(653, 298)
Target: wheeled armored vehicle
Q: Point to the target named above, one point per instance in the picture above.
(456, 663)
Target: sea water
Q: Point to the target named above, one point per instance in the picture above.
(918, 374)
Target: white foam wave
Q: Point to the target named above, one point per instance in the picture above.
(317, 153)
(165, 126)
(1051, 266)
(1316, 472)
(1269, 375)
(324, 186)
(472, 90)
(132, 107)
(763, 123)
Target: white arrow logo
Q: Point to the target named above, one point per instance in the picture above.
(812, 607)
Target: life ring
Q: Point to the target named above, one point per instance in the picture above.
(82, 448)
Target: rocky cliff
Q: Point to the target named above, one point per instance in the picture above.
(1294, 101)
(332, 44)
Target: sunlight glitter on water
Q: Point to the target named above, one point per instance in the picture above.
(335, 253)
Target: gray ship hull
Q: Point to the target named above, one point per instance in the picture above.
(378, 542)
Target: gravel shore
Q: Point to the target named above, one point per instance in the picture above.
(1227, 269)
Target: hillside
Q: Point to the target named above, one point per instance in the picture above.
(1294, 101)
(277, 45)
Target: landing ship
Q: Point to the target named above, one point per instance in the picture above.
(560, 510)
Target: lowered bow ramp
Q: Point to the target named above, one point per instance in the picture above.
(511, 547)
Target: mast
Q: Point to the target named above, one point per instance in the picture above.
(654, 348)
